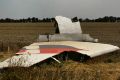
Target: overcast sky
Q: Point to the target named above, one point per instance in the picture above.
(51, 8)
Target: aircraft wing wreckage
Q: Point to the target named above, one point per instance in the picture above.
(69, 39)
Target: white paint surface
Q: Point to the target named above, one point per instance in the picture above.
(65, 25)
(24, 60)
(88, 48)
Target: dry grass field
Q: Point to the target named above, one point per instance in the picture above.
(105, 32)
(17, 35)
(14, 36)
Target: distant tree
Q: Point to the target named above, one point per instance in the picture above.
(2, 20)
(87, 20)
(23, 20)
(36, 19)
(99, 20)
(52, 19)
(43, 20)
(75, 19)
(29, 19)
(112, 19)
(106, 19)
(118, 19)
(81, 20)
(33, 19)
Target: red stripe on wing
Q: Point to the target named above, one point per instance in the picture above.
(21, 51)
(56, 50)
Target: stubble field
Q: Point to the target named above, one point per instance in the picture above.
(14, 36)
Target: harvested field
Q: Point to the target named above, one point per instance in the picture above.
(105, 32)
(14, 36)
(17, 35)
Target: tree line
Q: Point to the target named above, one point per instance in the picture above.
(103, 19)
(34, 19)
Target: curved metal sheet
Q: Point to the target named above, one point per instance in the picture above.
(26, 59)
(66, 25)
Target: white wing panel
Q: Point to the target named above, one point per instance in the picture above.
(25, 60)
(65, 25)
(89, 48)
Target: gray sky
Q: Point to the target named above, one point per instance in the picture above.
(51, 8)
